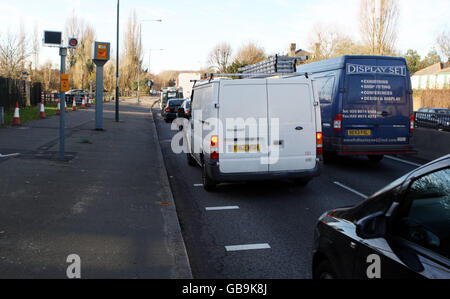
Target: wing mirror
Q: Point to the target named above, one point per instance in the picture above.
(372, 227)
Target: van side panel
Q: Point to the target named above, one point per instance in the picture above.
(243, 105)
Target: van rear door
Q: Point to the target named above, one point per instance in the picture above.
(291, 105)
(242, 108)
(377, 108)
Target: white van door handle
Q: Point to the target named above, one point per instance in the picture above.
(299, 128)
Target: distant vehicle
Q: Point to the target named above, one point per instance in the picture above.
(437, 118)
(295, 150)
(185, 83)
(185, 110)
(172, 108)
(166, 95)
(405, 226)
(367, 105)
(76, 94)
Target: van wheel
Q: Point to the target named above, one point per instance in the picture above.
(191, 160)
(209, 184)
(324, 271)
(376, 158)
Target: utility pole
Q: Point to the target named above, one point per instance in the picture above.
(117, 64)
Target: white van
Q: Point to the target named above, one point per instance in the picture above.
(255, 129)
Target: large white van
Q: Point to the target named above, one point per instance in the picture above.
(255, 129)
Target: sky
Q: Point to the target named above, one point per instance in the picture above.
(190, 29)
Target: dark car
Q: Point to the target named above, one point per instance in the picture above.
(171, 110)
(185, 110)
(401, 232)
(437, 118)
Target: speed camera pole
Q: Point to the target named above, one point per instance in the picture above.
(101, 57)
(62, 136)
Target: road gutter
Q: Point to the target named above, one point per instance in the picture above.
(176, 244)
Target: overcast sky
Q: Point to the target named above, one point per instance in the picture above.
(190, 29)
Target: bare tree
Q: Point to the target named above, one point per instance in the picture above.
(250, 53)
(14, 52)
(133, 55)
(327, 41)
(379, 25)
(220, 57)
(443, 42)
(36, 47)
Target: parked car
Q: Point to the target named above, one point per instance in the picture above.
(172, 108)
(367, 105)
(280, 135)
(185, 110)
(437, 118)
(406, 226)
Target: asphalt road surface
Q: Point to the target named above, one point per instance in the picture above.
(277, 219)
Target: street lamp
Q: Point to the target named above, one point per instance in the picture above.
(117, 63)
(139, 63)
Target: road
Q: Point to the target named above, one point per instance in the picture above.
(279, 217)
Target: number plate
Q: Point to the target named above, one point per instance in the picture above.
(359, 132)
(246, 148)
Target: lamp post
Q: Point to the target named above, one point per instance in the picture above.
(139, 62)
(117, 64)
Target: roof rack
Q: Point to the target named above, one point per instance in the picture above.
(274, 64)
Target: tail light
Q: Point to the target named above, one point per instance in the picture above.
(214, 148)
(337, 123)
(167, 109)
(411, 123)
(319, 144)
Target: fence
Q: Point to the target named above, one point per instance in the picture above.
(433, 120)
(14, 90)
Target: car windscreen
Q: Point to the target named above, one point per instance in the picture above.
(172, 95)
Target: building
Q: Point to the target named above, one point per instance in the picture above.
(436, 76)
(294, 52)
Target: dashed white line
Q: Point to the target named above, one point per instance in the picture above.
(198, 185)
(222, 208)
(403, 161)
(247, 247)
(9, 156)
(351, 190)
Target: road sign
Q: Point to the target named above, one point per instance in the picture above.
(73, 43)
(65, 83)
(52, 38)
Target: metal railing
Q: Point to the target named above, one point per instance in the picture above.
(440, 121)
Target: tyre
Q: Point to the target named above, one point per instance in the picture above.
(191, 160)
(324, 271)
(376, 158)
(208, 183)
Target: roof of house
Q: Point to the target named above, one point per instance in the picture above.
(435, 69)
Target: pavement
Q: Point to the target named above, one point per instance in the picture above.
(110, 204)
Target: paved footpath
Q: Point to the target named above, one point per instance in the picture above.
(111, 204)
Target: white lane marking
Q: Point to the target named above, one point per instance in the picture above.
(222, 208)
(351, 190)
(403, 161)
(247, 247)
(9, 156)
(198, 185)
